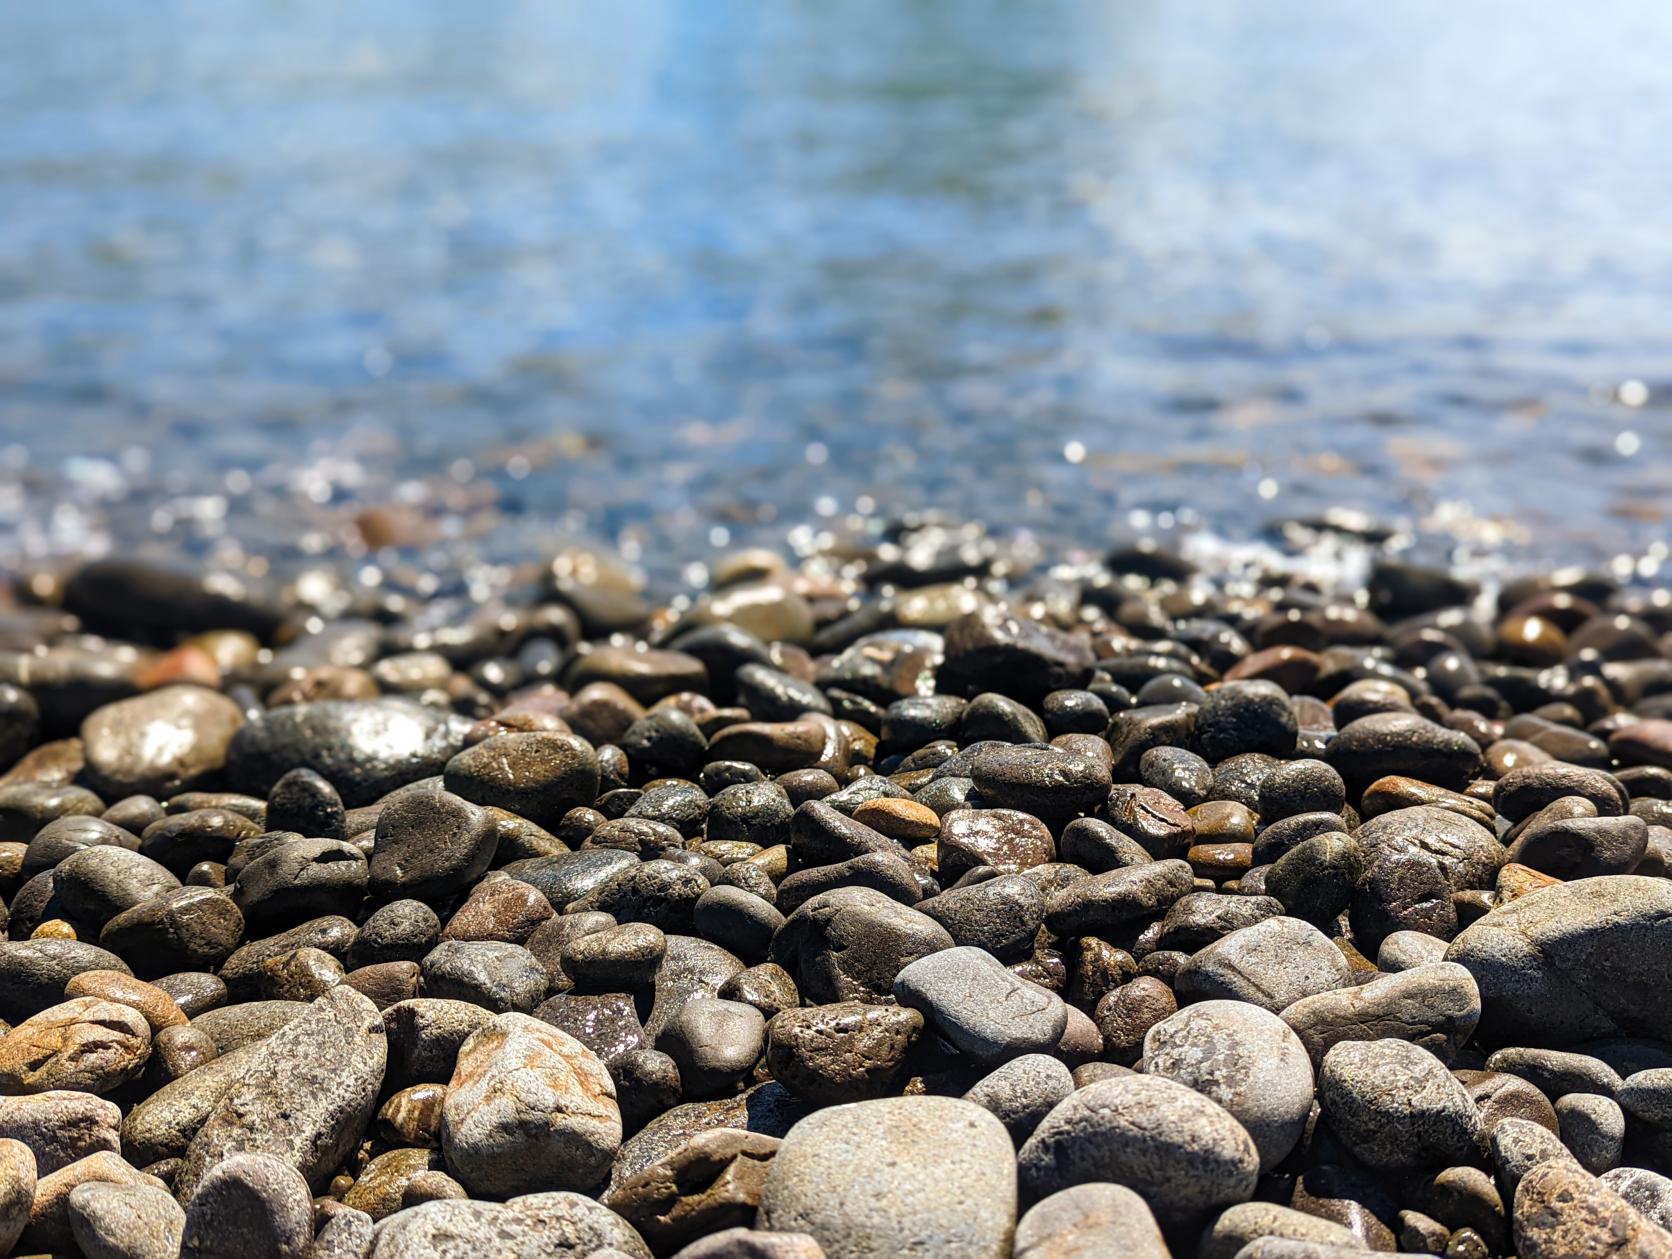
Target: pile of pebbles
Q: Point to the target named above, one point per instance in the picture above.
(895, 906)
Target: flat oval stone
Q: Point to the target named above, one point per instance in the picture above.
(988, 1013)
(1583, 960)
(903, 1175)
(850, 943)
(536, 775)
(160, 743)
(1405, 744)
(1435, 1006)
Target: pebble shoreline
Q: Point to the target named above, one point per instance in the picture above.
(895, 905)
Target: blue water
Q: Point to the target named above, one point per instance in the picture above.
(672, 274)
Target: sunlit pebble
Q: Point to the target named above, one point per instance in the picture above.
(1632, 393)
(1628, 443)
(1267, 488)
(817, 453)
(517, 467)
(1074, 452)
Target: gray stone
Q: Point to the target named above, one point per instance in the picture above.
(1104, 903)
(497, 976)
(538, 775)
(249, 1204)
(1272, 964)
(61, 1126)
(1406, 950)
(1583, 960)
(1246, 1059)
(33, 973)
(557, 1225)
(528, 1108)
(1001, 916)
(309, 1094)
(1091, 1221)
(1649, 1192)
(424, 1035)
(748, 1243)
(1022, 1092)
(983, 1009)
(1519, 1145)
(1395, 1106)
(1405, 744)
(1647, 1096)
(1594, 1129)
(850, 943)
(1183, 1152)
(1434, 1006)
(906, 1175)
(96, 884)
(1555, 1072)
(347, 1234)
(715, 1044)
(1250, 1221)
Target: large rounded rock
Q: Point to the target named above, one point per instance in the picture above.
(33, 972)
(363, 748)
(897, 1176)
(430, 843)
(537, 775)
(249, 1204)
(1246, 1059)
(84, 1044)
(1395, 1106)
(125, 1221)
(1182, 1151)
(1272, 964)
(307, 1096)
(61, 1127)
(848, 944)
(1434, 1006)
(1576, 962)
(1563, 1211)
(1405, 744)
(159, 744)
(17, 1191)
(847, 1052)
(529, 1108)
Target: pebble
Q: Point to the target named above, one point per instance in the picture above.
(1395, 1106)
(1022, 1092)
(17, 1190)
(249, 1204)
(902, 1175)
(162, 743)
(85, 1044)
(1087, 1221)
(1182, 1151)
(61, 1127)
(528, 1109)
(1435, 1006)
(1271, 964)
(987, 1012)
(1562, 1211)
(845, 1052)
(125, 1221)
(1246, 1059)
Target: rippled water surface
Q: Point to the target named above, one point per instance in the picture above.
(677, 274)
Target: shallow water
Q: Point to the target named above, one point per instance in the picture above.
(679, 275)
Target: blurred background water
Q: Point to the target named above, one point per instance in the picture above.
(678, 274)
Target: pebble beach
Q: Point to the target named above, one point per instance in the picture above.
(899, 901)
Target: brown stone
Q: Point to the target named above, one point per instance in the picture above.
(1008, 841)
(1562, 1212)
(85, 1043)
(504, 910)
(846, 1052)
(904, 820)
(157, 1006)
(49, 1217)
(413, 1116)
(711, 1182)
